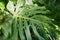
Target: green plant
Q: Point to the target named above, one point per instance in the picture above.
(25, 20)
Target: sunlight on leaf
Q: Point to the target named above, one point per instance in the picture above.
(10, 7)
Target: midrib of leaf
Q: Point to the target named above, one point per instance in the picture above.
(23, 17)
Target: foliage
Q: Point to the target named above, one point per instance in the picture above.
(29, 20)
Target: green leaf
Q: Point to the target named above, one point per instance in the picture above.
(10, 7)
(27, 22)
(2, 6)
(36, 33)
(20, 27)
(27, 31)
(14, 30)
(14, 1)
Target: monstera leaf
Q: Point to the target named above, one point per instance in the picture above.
(27, 21)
